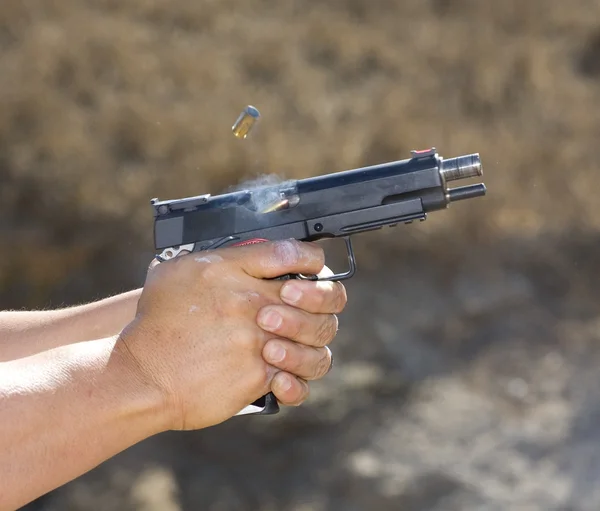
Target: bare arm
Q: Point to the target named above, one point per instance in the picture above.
(24, 333)
(64, 411)
(196, 353)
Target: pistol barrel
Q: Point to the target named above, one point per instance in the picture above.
(462, 167)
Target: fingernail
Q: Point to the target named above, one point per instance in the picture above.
(271, 320)
(284, 383)
(275, 352)
(291, 293)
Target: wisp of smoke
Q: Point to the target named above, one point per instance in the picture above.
(265, 189)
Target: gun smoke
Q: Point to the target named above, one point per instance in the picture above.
(267, 191)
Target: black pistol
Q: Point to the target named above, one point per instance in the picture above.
(334, 205)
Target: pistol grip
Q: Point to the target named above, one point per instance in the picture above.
(266, 405)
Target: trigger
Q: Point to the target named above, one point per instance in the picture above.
(338, 276)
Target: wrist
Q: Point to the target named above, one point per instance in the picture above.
(149, 397)
(143, 382)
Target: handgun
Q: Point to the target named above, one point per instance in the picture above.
(335, 205)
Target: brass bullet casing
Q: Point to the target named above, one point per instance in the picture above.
(245, 122)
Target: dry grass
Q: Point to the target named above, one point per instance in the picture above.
(105, 104)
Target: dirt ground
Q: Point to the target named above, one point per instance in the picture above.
(466, 364)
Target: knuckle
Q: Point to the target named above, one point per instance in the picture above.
(302, 394)
(293, 326)
(327, 330)
(323, 295)
(209, 272)
(341, 298)
(294, 360)
(323, 364)
(246, 339)
(288, 251)
(244, 300)
(320, 254)
(294, 396)
(329, 297)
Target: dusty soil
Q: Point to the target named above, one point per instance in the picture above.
(466, 365)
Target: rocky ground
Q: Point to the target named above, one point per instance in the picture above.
(466, 365)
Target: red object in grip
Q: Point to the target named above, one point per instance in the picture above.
(249, 242)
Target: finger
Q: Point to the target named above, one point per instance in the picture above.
(304, 361)
(272, 259)
(318, 297)
(289, 390)
(153, 264)
(297, 325)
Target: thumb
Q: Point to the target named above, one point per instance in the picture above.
(269, 260)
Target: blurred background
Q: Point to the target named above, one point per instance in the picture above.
(467, 363)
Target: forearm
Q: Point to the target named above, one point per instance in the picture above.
(29, 332)
(64, 411)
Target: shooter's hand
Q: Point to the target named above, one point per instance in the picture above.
(196, 335)
(299, 344)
